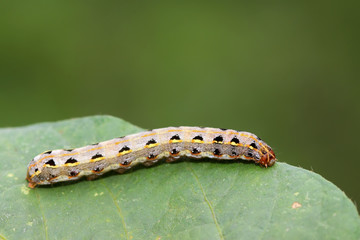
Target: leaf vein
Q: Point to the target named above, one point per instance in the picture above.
(208, 203)
(118, 209)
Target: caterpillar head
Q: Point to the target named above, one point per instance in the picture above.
(268, 158)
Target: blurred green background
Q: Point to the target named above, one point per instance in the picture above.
(287, 71)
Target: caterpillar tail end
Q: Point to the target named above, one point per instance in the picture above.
(32, 185)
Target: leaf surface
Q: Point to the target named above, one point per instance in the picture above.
(183, 200)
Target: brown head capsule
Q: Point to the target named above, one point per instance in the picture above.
(268, 159)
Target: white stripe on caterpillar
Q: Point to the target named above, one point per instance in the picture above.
(148, 147)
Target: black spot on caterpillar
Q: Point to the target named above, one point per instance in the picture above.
(50, 162)
(174, 151)
(124, 149)
(198, 137)
(235, 140)
(98, 155)
(218, 139)
(151, 156)
(71, 160)
(217, 152)
(175, 137)
(253, 145)
(152, 141)
(195, 151)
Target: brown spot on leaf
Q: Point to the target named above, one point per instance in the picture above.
(296, 205)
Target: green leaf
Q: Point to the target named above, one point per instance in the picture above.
(183, 200)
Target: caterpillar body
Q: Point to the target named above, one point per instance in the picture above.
(121, 154)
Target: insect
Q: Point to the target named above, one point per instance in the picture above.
(121, 154)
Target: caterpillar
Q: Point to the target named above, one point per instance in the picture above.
(121, 154)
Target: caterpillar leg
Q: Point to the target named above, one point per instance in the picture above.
(150, 163)
(171, 159)
(92, 177)
(121, 170)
